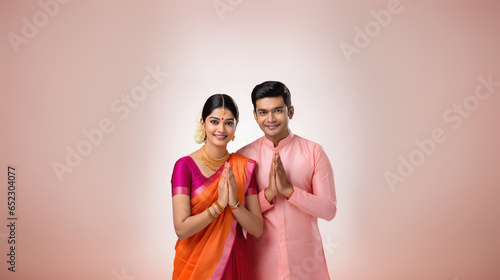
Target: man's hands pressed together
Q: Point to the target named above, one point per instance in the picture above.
(278, 183)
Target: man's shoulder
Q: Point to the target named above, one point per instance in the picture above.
(307, 142)
(249, 148)
(310, 147)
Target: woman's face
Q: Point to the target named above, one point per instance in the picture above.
(219, 128)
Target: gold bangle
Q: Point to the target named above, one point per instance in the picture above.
(220, 206)
(236, 206)
(216, 206)
(210, 215)
(216, 209)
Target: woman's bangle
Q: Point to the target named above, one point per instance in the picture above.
(220, 206)
(210, 214)
(236, 206)
(216, 209)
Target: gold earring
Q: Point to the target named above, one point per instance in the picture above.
(203, 134)
(234, 136)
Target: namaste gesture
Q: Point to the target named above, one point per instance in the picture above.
(277, 179)
(227, 189)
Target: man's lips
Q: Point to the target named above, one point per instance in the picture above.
(271, 127)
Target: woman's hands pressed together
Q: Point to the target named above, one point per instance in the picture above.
(227, 189)
(222, 190)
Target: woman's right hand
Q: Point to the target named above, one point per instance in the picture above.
(223, 190)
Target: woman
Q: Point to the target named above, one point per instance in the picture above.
(214, 197)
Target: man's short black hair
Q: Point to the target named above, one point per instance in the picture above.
(271, 89)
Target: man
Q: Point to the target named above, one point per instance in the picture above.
(296, 187)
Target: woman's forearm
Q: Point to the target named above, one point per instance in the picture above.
(250, 217)
(194, 224)
(249, 221)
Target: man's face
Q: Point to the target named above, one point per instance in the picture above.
(272, 117)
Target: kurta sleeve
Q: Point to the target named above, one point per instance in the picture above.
(322, 202)
(264, 204)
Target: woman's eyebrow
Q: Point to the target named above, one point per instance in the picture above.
(232, 119)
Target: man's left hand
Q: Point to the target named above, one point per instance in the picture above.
(283, 186)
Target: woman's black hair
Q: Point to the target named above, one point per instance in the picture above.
(215, 101)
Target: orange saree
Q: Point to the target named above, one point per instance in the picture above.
(207, 254)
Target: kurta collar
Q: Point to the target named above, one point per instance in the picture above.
(285, 141)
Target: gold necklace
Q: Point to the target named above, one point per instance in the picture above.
(213, 163)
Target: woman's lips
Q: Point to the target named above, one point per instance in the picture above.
(220, 137)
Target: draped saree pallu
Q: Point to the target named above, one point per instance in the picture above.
(206, 254)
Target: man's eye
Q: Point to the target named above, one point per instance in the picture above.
(278, 111)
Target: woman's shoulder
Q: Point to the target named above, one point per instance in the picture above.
(184, 162)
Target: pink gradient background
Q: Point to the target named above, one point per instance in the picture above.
(111, 217)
